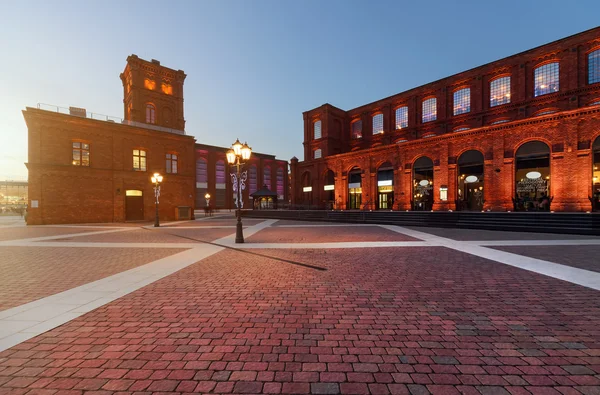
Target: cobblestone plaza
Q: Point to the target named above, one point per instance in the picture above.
(301, 307)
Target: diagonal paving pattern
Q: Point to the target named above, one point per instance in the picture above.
(433, 315)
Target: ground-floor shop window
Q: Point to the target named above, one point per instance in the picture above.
(532, 177)
(470, 181)
(354, 189)
(423, 184)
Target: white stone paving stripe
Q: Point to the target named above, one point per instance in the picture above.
(573, 242)
(229, 240)
(44, 238)
(99, 244)
(345, 244)
(573, 275)
(323, 225)
(29, 320)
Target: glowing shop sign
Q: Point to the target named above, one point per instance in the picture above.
(307, 189)
(532, 175)
(471, 179)
(328, 187)
(423, 183)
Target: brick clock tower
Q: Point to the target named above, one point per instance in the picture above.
(153, 94)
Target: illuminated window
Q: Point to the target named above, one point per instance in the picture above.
(81, 154)
(280, 183)
(429, 110)
(462, 101)
(594, 67)
(267, 177)
(378, 123)
(150, 114)
(357, 129)
(317, 129)
(546, 79)
(317, 154)
(500, 91)
(167, 88)
(172, 163)
(139, 160)
(401, 117)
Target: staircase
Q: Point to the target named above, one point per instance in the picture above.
(542, 222)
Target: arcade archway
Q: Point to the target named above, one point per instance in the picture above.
(470, 181)
(385, 187)
(532, 177)
(422, 184)
(354, 189)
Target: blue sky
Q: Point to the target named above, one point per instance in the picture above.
(254, 66)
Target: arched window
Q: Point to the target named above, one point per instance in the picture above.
(317, 153)
(150, 113)
(594, 67)
(253, 181)
(267, 176)
(280, 184)
(461, 129)
(596, 174)
(462, 101)
(317, 130)
(470, 181)
(401, 117)
(423, 184)
(357, 129)
(201, 172)
(377, 123)
(500, 91)
(546, 79)
(429, 110)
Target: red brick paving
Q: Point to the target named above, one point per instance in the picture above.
(379, 321)
(201, 234)
(483, 235)
(218, 222)
(30, 273)
(327, 234)
(129, 236)
(580, 256)
(17, 233)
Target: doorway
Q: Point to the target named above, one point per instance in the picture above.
(134, 205)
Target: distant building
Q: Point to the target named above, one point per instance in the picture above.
(507, 135)
(86, 167)
(13, 194)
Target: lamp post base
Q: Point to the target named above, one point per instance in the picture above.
(239, 234)
(156, 221)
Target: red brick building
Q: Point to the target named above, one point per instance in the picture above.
(85, 167)
(521, 133)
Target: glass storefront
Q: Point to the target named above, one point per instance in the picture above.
(354, 189)
(532, 177)
(385, 187)
(470, 181)
(329, 190)
(423, 184)
(596, 175)
(306, 190)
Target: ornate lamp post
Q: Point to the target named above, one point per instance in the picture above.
(239, 152)
(207, 207)
(156, 180)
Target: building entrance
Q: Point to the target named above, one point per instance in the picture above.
(470, 181)
(385, 187)
(423, 184)
(596, 175)
(532, 177)
(134, 205)
(354, 189)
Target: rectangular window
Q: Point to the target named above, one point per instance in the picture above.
(317, 154)
(317, 129)
(81, 154)
(429, 110)
(594, 67)
(546, 79)
(172, 163)
(401, 117)
(139, 160)
(462, 101)
(357, 129)
(500, 91)
(378, 124)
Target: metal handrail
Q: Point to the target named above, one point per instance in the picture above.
(106, 118)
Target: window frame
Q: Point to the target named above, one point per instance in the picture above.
(403, 106)
(597, 63)
(379, 116)
(423, 101)
(315, 122)
(491, 90)
(80, 150)
(172, 158)
(315, 153)
(454, 97)
(151, 117)
(545, 65)
(352, 123)
(140, 156)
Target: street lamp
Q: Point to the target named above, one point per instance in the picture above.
(156, 180)
(207, 208)
(239, 152)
